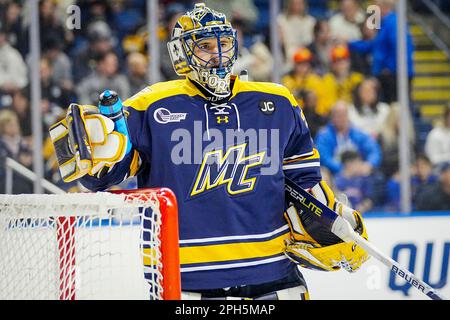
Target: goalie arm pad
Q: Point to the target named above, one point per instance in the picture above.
(313, 246)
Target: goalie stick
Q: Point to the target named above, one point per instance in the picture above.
(342, 228)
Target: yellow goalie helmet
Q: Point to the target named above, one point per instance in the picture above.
(188, 37)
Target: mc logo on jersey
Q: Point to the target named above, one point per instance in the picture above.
(230, 169)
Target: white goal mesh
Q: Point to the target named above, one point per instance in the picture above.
(88, 246)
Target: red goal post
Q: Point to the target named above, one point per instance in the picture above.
(121, 244)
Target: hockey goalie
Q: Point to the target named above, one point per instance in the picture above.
(224, 146)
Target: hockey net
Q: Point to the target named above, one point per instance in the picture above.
(120, 245)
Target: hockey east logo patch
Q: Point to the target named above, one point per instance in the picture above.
(230, 169)
(163, 116)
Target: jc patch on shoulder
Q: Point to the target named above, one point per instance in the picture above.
(267, 107)
(162, 115)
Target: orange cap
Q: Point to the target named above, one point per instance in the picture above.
(340, 52)
(302, 55)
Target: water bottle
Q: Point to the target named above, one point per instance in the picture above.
(110, 105)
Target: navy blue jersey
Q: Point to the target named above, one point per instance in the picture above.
(226, 164)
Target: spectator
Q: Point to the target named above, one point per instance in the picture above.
(339, 136)
(437, 195)
(262, 25)
(13, 70)
(321, 47)
(61, 8)
(367, 112)
(423, 174)
(126, 19)
(389, 141)
(296, 27)
(137, 41)
(105, 77)
(345, 24)
(340, 83)
(257, 58)
(302, 78)
(362, 62)
(137, 71)
(60, 64)
(368, 32)
(319, 8)
(437, 144)
(13, 146)
(422, 178)
(392, 202)
(100, 41)
(51, 26)
(21, 106)
(354, 182)
(384, 51)
(51, 91)
(14, 27)
(93, 11)
(309, 107)
(244, 10)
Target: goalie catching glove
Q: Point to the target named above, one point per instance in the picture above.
(313, 246)
(88, 142)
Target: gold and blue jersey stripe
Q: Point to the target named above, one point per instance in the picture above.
(223, 252)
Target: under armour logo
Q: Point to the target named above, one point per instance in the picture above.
(222, 119)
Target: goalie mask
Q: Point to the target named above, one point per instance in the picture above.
(204, 48)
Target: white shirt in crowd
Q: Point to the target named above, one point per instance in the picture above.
(368, 120)
(297, 31)
(342, 29)
(437, 145)
(13, 69)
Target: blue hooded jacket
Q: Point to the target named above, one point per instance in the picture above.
(384, 47)
(327, 145)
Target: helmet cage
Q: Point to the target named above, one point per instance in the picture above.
(186, 62)
(221, 61)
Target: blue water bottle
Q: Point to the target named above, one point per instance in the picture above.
(110, 105)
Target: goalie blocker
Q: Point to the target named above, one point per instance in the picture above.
(312, 244)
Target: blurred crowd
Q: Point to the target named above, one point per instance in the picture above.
(340, 68)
